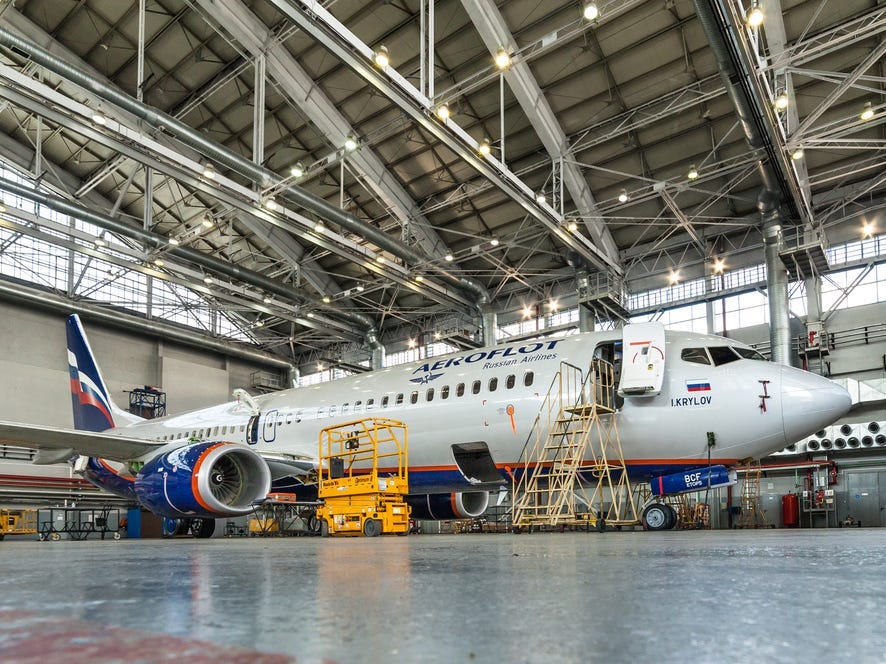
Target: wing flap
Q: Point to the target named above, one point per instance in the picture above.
(71, 441)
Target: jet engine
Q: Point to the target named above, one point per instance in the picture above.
(203, 480)
(436, 506)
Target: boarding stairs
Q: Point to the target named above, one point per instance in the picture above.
(571, 470)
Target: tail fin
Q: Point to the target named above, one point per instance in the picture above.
(93, 408)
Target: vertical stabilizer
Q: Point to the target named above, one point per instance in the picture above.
(93, 408)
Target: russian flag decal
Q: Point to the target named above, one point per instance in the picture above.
(698, 386)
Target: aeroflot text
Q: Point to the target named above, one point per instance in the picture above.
(510, 351)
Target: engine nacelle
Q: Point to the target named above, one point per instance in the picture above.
(438, 506)
(203, 480)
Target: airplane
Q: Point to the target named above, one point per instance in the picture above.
(468, 416)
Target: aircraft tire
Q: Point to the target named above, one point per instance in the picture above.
(174, 527)
(372, 527)
(658, 516)
(202, 528)
(672, 517)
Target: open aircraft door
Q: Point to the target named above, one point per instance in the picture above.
(643, 361)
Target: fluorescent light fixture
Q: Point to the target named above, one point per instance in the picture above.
(298, 170)
(693, 172)
(502, 59)
(590, 11)
(623, 196)
(867, 113)
(755, 16)
(381, 57)
(443, 112)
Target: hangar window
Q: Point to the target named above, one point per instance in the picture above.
(493, 384)
(444, 392)
(430, 394)
(460, 390)
(510, 381)
(722, 355)
(399, 399)
(694, 355)
(370, 404)
(528, 377)
(475, 387)
(749, 353)
(413, 398)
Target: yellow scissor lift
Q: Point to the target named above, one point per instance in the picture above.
(357, 498)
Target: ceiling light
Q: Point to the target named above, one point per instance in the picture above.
(266, 299)
(207, 221)
(781, 101)
(99, 118)
(208, 171)
(174, 241)
(484, 148)
(527, 311)
(868, 229)
(623, 196)
(755, 16)
(319, 227)
(326, 299)
(100, 242)
(590, 11)
(351, 143)
(298, 170)
(159, 262)
(259, 323)
(540, 197)
(310, 314)
(797, 154)
(494, 242)
(380, 259)
(553, 304)
(419, 278)
(867, 113)
(443, 112)
(448, 258)
(572, 225)
(270, 203)
(674, 276)
(381, 57)
(411, 343)
(693, 172)
(207, 280)
(2, 209)
(360, 288)
(437, 335)
(320, 366)
(502, 59)
(719, 264)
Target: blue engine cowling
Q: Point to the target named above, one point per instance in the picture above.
(438, 506)
(203, 480)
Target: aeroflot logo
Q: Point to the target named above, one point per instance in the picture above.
(494, 359)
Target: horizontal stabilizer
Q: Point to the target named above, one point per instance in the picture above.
(71, 441)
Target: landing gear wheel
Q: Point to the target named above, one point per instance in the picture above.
(673, 518)
(174, 527)
(372, 527)
(202, 528)
(324, 528)
(658, 516)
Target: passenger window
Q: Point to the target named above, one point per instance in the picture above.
(493, 384)
(332, 411)
(413, 398)
(430, 394)
(510, 381)
(321, 413)
(749, 353)
(399, 398)
(694, 355)
(345, 409)
(298, 415)
(444, 392)
(722, 355)
(460, 390)
(242, 428)
(475, 387)
(528, 377)
(289, 417)
(358, 406)
(370, 404)
(384, 401)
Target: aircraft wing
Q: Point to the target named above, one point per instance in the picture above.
(57, 444)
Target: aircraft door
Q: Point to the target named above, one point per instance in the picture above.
(252, 430)
(269, 430)
(643, 367)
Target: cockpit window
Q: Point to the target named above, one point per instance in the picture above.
(723, 354)
(695, 355)
(748, 353)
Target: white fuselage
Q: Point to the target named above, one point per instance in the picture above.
(752, 407)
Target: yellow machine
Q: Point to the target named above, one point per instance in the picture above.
(362, 478)
(18, 522)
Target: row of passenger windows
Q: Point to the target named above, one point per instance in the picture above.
(430, 394)
(719, 354)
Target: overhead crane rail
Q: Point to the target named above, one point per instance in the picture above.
(362, 478)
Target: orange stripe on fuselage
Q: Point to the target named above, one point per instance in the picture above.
(111, 469)
(194, 476)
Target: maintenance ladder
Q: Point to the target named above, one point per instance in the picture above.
(575, 436)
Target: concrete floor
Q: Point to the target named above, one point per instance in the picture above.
(764, 596)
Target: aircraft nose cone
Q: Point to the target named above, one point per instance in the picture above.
(810, 402)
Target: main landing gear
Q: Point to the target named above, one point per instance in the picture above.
(200, 528)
